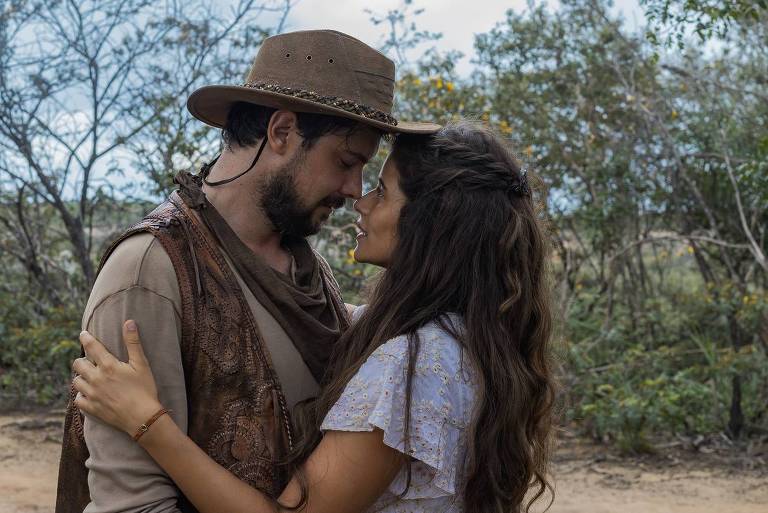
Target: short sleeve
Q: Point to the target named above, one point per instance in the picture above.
(440, 409)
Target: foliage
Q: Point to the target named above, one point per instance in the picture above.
(36, 353)
(671, 19)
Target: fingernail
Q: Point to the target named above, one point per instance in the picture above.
(130, 326)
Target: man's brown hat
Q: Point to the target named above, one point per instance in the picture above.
(318, 71)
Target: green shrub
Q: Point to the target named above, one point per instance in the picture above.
(36, 355)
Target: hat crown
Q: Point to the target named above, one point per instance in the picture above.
(328, 63)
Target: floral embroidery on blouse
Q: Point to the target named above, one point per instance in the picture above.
(441, 411)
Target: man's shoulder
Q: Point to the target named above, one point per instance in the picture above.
(138, 260)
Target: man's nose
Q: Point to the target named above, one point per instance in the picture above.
(353, 185)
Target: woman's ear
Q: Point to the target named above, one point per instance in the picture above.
(281, 125)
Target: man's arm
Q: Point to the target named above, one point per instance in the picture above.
(137, 282)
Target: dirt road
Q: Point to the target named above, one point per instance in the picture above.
(588, 478)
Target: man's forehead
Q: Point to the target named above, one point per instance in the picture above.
(361, 143)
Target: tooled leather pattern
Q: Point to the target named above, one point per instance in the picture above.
(236, 409)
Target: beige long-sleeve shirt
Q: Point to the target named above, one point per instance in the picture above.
(138, 282)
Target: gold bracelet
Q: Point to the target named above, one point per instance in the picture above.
(145, 427)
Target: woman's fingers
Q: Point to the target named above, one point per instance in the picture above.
(83, 367)
(82, 403)
(95, 350)
(132, 343)
(82, 386)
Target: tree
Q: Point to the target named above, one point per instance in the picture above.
(643, 158)
(92, 127)
(90, 97)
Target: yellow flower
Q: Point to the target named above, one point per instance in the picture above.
(439, 83)
(357, 272)
(529, 151)
(449, 86)
(674, 114)
(690, 250)
(504, 127)
(417, 81)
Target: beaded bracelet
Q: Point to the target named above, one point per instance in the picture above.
(145, 427)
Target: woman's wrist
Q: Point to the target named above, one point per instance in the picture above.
(160, 433)
(141, 417)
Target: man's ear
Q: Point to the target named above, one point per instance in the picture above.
(281, 125)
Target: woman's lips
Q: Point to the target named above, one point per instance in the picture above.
(362, 232)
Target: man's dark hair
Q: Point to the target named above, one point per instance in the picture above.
(247, 123)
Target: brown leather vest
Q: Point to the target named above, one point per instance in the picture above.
(236, 409)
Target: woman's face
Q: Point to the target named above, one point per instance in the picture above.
(379, 213)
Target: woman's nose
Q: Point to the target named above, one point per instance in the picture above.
(361, 205)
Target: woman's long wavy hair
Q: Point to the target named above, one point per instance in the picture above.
(468, 242)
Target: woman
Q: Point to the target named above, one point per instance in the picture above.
(440, 395)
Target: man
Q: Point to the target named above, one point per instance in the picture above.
(238, 313)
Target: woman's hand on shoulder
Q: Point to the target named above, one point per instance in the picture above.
(122, 394)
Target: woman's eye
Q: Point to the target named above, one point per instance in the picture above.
(347, 165)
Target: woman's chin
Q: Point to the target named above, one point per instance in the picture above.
(359, 256)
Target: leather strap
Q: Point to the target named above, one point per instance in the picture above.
(207, 168)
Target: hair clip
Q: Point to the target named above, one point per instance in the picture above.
(521, 186)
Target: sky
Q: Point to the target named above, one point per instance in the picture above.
(457, 20)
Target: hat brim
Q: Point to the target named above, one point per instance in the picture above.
(211, 104)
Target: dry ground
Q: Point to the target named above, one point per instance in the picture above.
(589, 478)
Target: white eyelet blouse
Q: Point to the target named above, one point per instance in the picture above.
(443, 389)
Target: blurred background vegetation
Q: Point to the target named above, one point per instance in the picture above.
(652, 147)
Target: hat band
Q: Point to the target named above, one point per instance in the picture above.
(330, 101)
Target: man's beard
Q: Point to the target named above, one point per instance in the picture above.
(281, 203)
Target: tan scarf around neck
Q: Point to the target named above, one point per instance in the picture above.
(303, 308)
